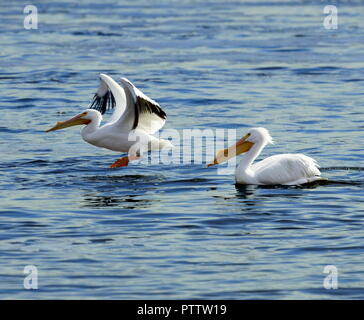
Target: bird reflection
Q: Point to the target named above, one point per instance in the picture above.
(123, 191)
(124, 202)
(255, 200)
(245, 191)
(250, 192)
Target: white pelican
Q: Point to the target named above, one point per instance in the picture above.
(283, 169)
(135, 118)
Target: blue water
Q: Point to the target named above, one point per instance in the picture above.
(181, 231)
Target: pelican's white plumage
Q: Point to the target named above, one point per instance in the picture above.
(135, 118)
(283, 169)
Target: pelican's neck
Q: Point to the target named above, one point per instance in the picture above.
(92, 127)
(250, 156)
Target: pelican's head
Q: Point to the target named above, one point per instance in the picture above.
(253, 136)
(258, 135)
(85, 117)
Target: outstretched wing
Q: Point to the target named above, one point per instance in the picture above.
(109, 96)
(132, 108)
(148, 115)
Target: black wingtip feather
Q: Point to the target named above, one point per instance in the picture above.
(147, 106)
(103, 103)
(142, 106)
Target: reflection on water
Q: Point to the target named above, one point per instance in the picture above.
(246, 191)
(124, 202)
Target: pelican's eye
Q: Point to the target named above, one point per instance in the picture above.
(247, 136)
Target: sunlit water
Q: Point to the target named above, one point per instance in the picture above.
(181, 231)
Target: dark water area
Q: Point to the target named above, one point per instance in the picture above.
(182, 231)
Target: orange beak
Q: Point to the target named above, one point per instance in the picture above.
(77, 120)
(225, 154)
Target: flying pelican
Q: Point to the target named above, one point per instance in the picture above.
(284, 169)
(135, 118)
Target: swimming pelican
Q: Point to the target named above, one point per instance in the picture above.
(284, 169)
(135, 118)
